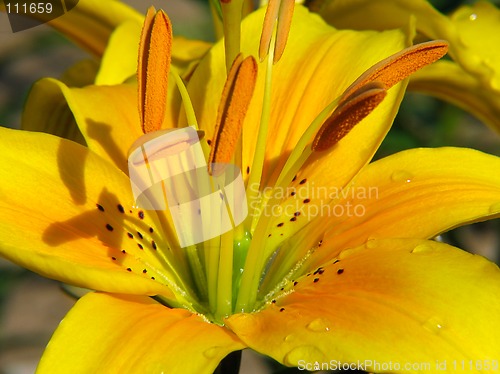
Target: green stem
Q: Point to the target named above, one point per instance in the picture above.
(253, 186)
(197, 272)
(186, 100)
(251, 272)
(225, 278)
(216, 11)
(231, 17)
(212, 253)
(189, 110)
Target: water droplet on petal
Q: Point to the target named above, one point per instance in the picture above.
(401, 176)
(318, 325)
(434, 325)
(288, 338)
(422, 248)
(473, 17)
(306, 353)
(211, 352)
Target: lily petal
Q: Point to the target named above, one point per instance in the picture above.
(448, 81)
(119, 61)
(419, 193)
(46, 110)
(107, 128)
(333, 168)
(477, 57)
(91, 22)
(339, 58)
(68, 214)
(134, 335)
(441, 300)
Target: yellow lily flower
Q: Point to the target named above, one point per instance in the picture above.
(472, 79)
(301, 287)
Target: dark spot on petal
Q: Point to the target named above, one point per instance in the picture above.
(307, 201)
(124, 251)
(139, 235)
(316, 280)
(303, 181)
(141, 214)
(293, 193)
(296, 214)
(269, 236)
(340, 271)
(153, 278)
(209, 142)
(100, 207)
(273, 301)
(308, 274)
(139, 245)
(120, 208)
(153, 244)
(280, 224)
(334, 262)
(129, 269)
(295, 283)
(109, 227)
(321, 271)
(282, 309)
(282, 288)
(151, 230)
(293, 219)
(295, 177)
(144, 271)
(248, 169)
(113, 258)
(130, 235)
(317, 271)
(130, 210)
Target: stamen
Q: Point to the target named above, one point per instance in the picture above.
(233, 106)
(280, 11)
(231, 22)
(399, 66)
(350, 113)
(387, 72)
(153, 68)
(268, 28)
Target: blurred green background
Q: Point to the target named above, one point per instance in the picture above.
(31, 307)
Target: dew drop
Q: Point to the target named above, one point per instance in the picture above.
(288, 338)
(318, 325)
(473, 17)
(401, 176)
(423, 248)
(434, 325)
(297, 354)
(211, 352)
